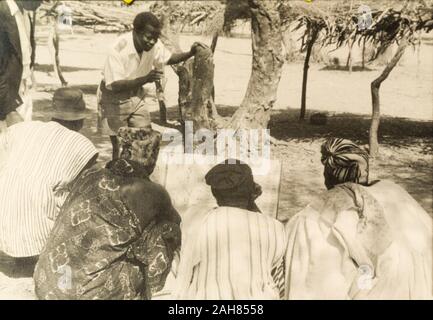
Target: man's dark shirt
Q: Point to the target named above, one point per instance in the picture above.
(11, 68)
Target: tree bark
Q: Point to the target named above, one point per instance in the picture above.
(195, 80)
(173, 45)
(349, 62)
(214, 42)
(213, 48)
(363, 54)
(53, 48)
(254, 111)
(312, 39)
(200, 110)
(375, 86)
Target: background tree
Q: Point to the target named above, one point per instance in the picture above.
(393, 27)
(313, 26)
(254, 111)
(397, 25)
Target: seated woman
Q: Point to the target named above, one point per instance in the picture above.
(359, 240)
(117, 231)
(236, 248)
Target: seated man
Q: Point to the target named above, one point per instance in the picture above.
(236, 250)
(360, 239)
(40, 160)
(117, 232)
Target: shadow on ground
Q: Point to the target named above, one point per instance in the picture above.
(49, 68)
(88, 89)
(285, 125)
(345, 68)
(406, 150)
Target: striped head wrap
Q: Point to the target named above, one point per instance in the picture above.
(344, 161)
(140, 145)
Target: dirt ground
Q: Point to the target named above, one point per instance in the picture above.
(406, 102)
(406, 129)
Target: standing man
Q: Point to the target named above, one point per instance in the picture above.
(134, 62)
(17, 55)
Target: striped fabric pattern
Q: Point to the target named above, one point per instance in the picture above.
(42, 159)
(342, 159)
(233, 257)
(278, 275)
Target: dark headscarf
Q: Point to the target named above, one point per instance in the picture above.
(343, 161)
(233, 181)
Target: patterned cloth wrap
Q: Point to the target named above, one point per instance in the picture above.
(98, 249)
(140, 145)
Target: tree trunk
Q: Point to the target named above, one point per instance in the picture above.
(363, 54)
(418, 54)
(375, 86)
(200, 110)
(195, 80)
(173, 46)
(214, 42)
(254, 111)
(53, 48)
(213, 47)
(312, 39)
(349, 62)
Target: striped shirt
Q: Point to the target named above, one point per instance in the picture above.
(233, 257)
(41, 160)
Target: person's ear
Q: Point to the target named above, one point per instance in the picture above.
(257, 192)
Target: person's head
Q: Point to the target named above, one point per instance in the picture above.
(29, 5)
(69, 108)
(232, 184)
(147, 30)
(140, 145)
(344, 161)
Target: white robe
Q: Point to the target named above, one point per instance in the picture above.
(335, 253)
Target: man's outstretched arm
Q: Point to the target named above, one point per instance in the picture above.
(183, 56)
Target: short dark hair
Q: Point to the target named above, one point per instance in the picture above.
(146, 18)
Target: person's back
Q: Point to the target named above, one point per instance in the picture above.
(405, 266)
(238, 249)
(42, 159)
(236, 252)
(359, 239)
(96, 238)
(116, 233)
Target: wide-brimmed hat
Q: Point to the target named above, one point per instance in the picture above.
(68, 104)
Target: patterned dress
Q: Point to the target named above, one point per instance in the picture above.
(100, 248)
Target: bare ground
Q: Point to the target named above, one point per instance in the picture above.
(405, 134)
(406, 101)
